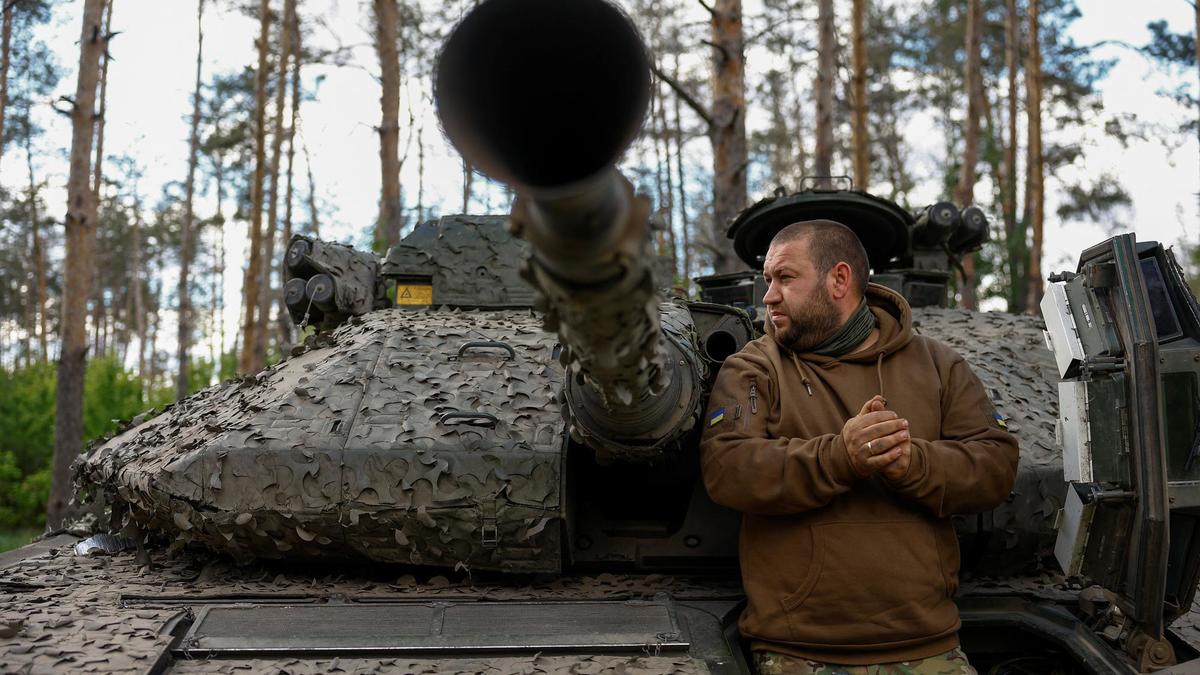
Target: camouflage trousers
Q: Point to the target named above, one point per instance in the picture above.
(953, 662)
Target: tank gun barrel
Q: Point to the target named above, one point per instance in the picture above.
(545, 96)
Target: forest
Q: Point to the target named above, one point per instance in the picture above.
(128, 281)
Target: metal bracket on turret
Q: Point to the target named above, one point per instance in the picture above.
(489, 532)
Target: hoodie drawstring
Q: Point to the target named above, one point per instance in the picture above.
(878, 375)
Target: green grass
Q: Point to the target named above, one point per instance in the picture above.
(10, 539)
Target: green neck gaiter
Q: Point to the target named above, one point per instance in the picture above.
(850, 335)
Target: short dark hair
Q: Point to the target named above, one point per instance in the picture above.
(835, 243)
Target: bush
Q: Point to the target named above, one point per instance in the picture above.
(111, 393)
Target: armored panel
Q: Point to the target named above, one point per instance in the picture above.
(1073, 533)
(1063, 338)
(1091, 415)
(471, 261)
(1076, 431)
(402, 437)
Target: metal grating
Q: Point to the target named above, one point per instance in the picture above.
(435, 628)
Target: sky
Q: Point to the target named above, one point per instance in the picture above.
(150, 83)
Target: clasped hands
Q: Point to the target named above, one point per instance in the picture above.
(877, 441)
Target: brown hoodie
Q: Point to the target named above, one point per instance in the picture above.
(837, 568)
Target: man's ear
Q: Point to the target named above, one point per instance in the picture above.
(840, 280)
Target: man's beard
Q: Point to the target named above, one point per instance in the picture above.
(811, 324)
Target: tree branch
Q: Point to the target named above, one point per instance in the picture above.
(1116, 43)
(684, 95)
(770, 28)
(724, 52)
(707, 6)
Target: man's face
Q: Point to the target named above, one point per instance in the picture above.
(798, 301)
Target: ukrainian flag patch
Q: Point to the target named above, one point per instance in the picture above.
(716, 416)
(1000, 421)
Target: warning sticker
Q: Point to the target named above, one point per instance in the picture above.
(414, 294)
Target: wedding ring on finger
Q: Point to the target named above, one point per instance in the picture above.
(869, 448)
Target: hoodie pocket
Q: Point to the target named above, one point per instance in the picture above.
(870, 583)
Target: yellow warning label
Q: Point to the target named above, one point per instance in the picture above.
(414, 294)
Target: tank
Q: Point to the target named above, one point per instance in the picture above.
(484, 457)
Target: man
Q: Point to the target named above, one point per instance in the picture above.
(847, 442)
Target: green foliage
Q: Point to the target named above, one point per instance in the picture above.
(229, 366)
(27, 416)
(10, 539)
(111, 394)
(1175, 54)
(200, 374)
(1102, 202)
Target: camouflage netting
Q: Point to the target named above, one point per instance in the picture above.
(640, 433)
(61, 612)
(469, 261)
(1010, 356)
(398, 438)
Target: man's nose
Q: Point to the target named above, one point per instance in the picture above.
(772, 297)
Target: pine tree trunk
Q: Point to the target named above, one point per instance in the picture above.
(1014, 231)
(97, 179)
(420, 173)
(314, 224)
(284, 319)
(80, 241)
(152, 380)
(139, 304)
(684, 224)
(5, 57)
(249, 361)
(729, 128)
(266, 290)
(98, 166)
(39, 253)
(655, 131)
(468, 186)
(98, 312)
(219, 297)
(1035, 198)
(862, 153)
(965, 192)
(782, 158)
(99, 264)
(30, 327)
(826, 67)
(184, 339)
(387, 22)
(797, 107)
(668, 203)
(291, 135)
